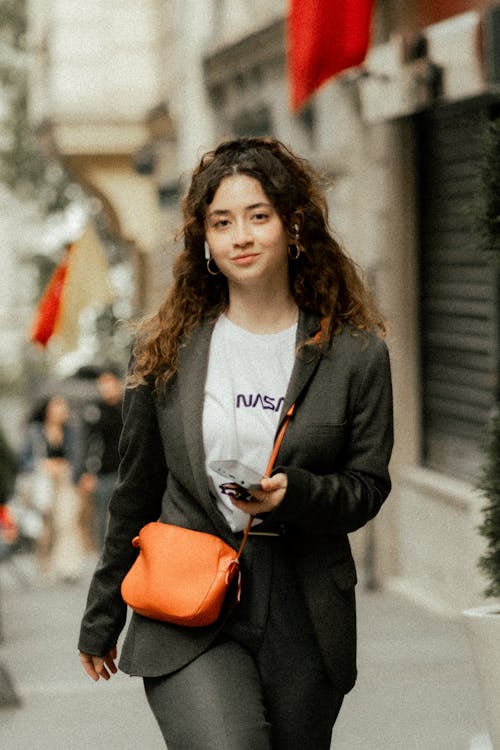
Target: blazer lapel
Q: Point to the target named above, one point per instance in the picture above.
(305, 363)
(193, 362)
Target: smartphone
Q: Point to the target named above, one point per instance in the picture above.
(237, 473)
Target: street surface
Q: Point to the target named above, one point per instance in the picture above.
(416, 689)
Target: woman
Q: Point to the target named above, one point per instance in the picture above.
(213, 373)
(51, 455)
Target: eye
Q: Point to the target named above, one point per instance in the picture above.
(261, 216)
(220, 223)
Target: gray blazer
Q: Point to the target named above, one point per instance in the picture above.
(335, 453)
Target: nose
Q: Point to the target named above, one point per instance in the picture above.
(242, 234)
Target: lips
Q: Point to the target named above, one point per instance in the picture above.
(243, 260)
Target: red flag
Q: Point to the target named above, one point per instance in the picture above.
(81, 280)
(325, 37)
(49, 306)
(87, 284)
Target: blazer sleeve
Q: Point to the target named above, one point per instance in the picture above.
(350, 496)
(136, 500)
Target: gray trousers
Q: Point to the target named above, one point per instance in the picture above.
(262, 684)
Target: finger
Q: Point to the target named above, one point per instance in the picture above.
(255, 509)
(250, 507)
(89, 666)
(103, 672)
(258, 496)
(109, 662)
(276, 482)
(265, 501)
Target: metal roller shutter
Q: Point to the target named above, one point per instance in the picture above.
(459, 328)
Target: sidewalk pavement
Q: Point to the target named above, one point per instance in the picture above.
(416, 688)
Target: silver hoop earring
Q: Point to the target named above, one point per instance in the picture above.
(296, 249)
(210, 271)
(207, 251)
(299, 247)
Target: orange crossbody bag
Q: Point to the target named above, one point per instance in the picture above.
(183, 576)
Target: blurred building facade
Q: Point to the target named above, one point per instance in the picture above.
(133, 92)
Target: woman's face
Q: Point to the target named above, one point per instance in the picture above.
(246, 235)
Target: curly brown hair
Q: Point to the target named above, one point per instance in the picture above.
(323, 279)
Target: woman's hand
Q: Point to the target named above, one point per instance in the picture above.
(95, 666)
(266, 499)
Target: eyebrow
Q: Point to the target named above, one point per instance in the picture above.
(251, 207)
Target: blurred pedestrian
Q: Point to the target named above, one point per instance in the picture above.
(8, 472)
(102, 421)
(51, 456)
(213, 373)
(8, 531)
(8, 468)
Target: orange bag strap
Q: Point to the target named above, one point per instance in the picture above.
(276, 447)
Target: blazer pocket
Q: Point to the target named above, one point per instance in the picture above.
(325, 428)
(321, 445)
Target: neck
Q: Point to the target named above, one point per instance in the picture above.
(262, 313)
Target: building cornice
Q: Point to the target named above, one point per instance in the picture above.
(263, 47)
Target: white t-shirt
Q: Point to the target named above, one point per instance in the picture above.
(247, 379)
